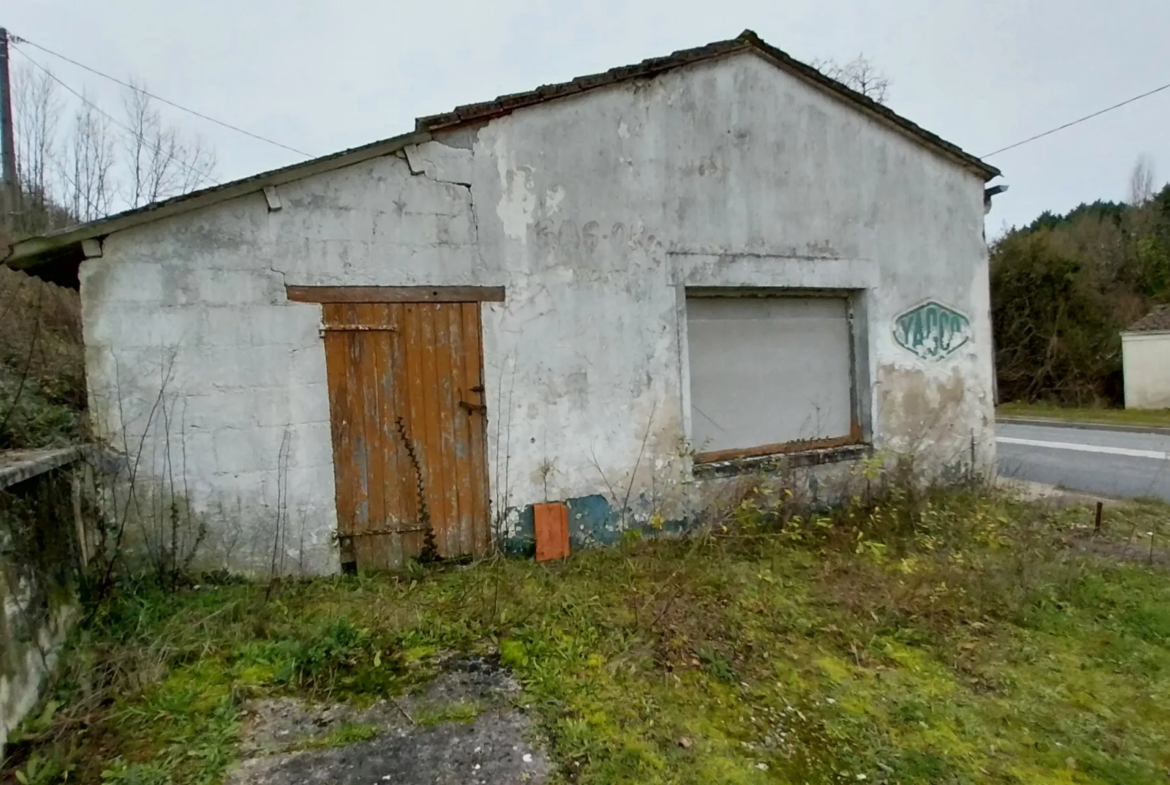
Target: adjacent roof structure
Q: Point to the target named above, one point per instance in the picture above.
(1157, 320)
(56, 257)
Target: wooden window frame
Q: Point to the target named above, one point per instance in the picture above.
(856, 436)
(786, 448)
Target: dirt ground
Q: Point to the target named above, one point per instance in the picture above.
(461, 728)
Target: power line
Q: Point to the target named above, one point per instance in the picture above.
(160, 99)
(1077, 122)
(156, 148)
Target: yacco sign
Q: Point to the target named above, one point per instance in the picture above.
(932, 331)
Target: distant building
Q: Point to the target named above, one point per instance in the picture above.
(1145, 349)
(618, 293)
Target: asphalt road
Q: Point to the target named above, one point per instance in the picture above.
(1114, 463)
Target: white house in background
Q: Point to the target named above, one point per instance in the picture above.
(1145, 351)
(617, 293)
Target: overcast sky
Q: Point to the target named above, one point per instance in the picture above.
(322, 76)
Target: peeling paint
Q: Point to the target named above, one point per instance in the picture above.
(553, 199)
(517, 201)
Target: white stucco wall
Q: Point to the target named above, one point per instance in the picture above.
(1146, 368)
(596, 213)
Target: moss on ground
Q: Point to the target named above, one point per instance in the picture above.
(348, 733)
(956, 638)
(1089, 414)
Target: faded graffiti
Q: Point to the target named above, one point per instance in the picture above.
(932, 330)
(569, 237)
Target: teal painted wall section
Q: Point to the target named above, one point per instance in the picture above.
(593, 521)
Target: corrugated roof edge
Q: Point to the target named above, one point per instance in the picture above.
(36, 252)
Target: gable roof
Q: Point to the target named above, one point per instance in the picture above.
(56, 256)
(1157, 320)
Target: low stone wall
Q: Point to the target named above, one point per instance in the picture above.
(42, 547)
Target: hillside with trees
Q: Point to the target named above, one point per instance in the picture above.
(1065, 286)
(76, 162)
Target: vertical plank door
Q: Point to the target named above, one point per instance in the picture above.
(408, 418)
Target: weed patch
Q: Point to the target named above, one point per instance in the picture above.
(904, 638)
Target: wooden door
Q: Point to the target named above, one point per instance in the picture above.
(408, 417)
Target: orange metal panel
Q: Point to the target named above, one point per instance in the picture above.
(552, 530)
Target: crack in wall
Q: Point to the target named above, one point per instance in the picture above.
(420, 165)
(283, 278)
(474, 217)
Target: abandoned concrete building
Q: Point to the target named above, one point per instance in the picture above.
(615, 293)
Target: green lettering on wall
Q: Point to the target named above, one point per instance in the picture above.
(932, 331)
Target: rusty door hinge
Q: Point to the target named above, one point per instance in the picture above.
(473, 407)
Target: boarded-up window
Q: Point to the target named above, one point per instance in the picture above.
(768, 371)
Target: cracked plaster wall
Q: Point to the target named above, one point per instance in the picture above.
(595, 212)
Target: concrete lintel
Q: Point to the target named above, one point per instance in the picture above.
(91, 248)
(771, 270)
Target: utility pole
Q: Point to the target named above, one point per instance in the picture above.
(7, 141)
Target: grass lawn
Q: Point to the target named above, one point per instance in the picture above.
(1157, 417)
(952, 639)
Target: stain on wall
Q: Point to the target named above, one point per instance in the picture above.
(935, 420)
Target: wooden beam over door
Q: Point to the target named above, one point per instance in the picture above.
(395, 294)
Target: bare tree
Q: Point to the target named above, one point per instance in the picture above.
(1141, 181)
(80, 174)
(860, 74)
(87, 171)
(37, 110)
(160, 162)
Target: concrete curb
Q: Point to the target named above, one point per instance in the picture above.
(1089, 426)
